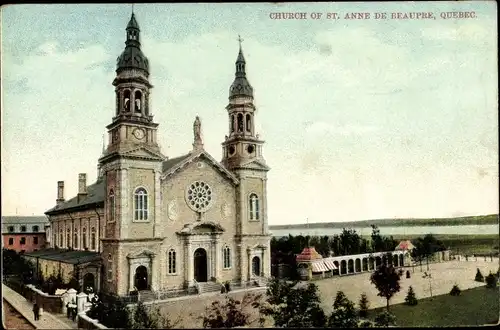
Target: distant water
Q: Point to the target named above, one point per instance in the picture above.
(396, 231)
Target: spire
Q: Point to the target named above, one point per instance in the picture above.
(132, 56)
(198, 143)
(240, 86)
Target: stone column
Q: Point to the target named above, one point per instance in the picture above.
(124, 205)
(130, 276)
(189, 263)
(263, 210)
(249, 263)
(266, 263)
(157, 204)
(217, 263)
(153, 272)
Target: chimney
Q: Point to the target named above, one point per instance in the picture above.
(60, 192)
(82, 184)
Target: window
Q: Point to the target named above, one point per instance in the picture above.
(68, 238)
(240, 122)
(111, 200)
(23, 229)
(75, 239)
(172, 262)
(11, 229)
(35, 229)
(84, 238)
(254, 207)
(141, 204)
(23, 240)
(110, 267)
(11, 241)
(249, 123)
(92, 239)
(61, 238)
(227, 257)
(35, 240)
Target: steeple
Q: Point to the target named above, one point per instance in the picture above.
(240, 86)
(132, 56)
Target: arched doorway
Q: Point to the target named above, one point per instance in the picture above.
(141, 278)
(343, 267)
(88, 282)
(256, 266)
(200, 265)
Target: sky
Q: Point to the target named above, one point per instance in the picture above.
(363, 119)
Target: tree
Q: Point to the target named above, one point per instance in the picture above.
(385, 319)
(344, 314)
(230, 314)
(455, 290)
(363, 305)
(110, 311)
(411, 298)
(479, 276)
(377, 240)
(491, 281)
(293, 306)
(386, 279)
(350, 242)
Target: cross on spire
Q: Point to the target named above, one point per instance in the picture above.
(240, 40)
(132, 8)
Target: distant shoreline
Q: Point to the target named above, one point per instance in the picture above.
(490, 219)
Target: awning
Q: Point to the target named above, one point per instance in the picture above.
(319, 267)
(329, 264)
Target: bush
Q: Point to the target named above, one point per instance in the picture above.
(411, 298)
(479, 276)
(366, 324)
(491, 281)
(363, 305)
(385, 319)
(455, 291)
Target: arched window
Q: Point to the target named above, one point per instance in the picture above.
(110, 267)
(92, 238)
(172, 262)
(240, 122)
(126, 100)
(35, 229)
(75, 239)
(111, 200)
(138, 101)
(249, 123)
(226, 256)
(68, 238)
(84, 238)
(232, 123)
(141, 204)
(254, 207)
(61, 238)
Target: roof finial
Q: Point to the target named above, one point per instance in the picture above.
(240, 40)
(132, 8)
(198, 143)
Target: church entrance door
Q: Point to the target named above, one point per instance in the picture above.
(200, 265)
(256, 266)
(141, 278)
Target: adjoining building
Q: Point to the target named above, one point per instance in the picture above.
(24, 233)
(154, 223)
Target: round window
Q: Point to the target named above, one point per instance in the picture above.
(199, 196)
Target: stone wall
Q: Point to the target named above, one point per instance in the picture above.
(49, 303)
(85, 322)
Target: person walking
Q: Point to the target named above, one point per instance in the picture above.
(36, 311)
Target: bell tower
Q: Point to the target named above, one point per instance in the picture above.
(242, 145)
(132, 124)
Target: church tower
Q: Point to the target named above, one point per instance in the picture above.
(242, 155)
(131, 167)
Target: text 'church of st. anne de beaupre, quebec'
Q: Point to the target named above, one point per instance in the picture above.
(157, 223)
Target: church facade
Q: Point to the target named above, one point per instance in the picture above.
(160, 223)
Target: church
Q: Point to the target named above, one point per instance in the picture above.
(155, 223)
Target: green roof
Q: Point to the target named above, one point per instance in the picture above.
(93, 198)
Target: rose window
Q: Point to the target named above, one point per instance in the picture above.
(199, 196)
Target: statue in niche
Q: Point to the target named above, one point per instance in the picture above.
(126, 104)
(137, 105)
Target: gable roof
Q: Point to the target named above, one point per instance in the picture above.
(172, 162)
(179, 163)
(65, 256)
(93, 198)
(14, 219)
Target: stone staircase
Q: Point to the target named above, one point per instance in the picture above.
(205, 287)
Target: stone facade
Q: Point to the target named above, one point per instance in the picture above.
(169, 223)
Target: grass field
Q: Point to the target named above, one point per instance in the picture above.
(473, 307)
